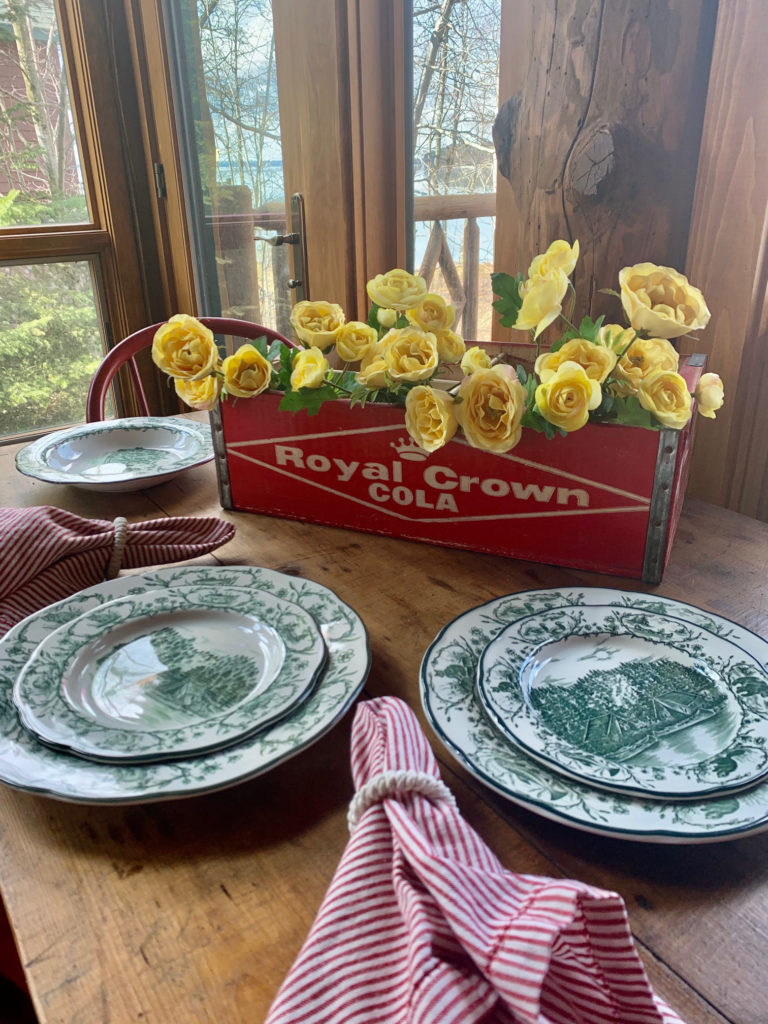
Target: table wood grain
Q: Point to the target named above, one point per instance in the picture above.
(193, 910)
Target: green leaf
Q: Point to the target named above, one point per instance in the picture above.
(589, 328)
(308, 399)
(260, 344)
(373, 320)
(629, 412)
(509, 302)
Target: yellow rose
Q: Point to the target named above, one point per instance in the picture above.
(317, 323)
(615, 337)
(397, 290)
(596, 360)
(184, 348)
(373, 368)
(474, 359)
(559, 256)
(644, 356)
(200, 394)
(309, 369)
(709, 395)
(568, 397)
(450, 346)
(432, 314)
(387, 317)
(430, 417)
(354, 340)
(411, 354)
(247, 372)
(665, 394)
(660, 301)
(491, 407)
(542, 302)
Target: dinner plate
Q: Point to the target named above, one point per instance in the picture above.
(28, 765)
(164, 674)
(448, 695)
(627, 699)
(118, 455)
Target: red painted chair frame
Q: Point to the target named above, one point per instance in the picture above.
(126, 349)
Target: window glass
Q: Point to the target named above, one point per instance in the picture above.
(455, 101)
(50, 344)
(40, 172)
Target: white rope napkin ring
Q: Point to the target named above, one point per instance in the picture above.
(121, 539)
(388, 784)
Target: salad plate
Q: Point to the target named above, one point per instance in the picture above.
(164, 674)
(627, 699)
(118, 455)
(33, 767)
(448, 673)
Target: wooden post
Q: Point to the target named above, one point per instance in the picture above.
(598, 133)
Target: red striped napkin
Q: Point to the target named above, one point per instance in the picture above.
(423, 925)
(47, 553)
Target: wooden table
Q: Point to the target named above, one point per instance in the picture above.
(193, 910)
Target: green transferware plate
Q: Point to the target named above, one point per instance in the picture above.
(118, 455)
(28, 765)
(627, 699)
(164, 674)
(448, 694)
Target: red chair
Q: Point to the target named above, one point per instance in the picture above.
(125, 350)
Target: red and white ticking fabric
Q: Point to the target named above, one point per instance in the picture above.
(422, 924)
(47, 553)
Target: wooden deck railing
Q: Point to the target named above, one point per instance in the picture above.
(235, 235)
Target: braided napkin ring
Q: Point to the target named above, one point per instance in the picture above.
(393, 782)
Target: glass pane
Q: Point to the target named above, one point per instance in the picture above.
(225, 58)
(50, 344)
(455, 101)
(40, 176)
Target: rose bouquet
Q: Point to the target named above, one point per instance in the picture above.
(407, 348)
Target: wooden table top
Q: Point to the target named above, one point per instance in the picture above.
(193, 910)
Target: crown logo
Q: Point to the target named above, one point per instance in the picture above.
(408, 449)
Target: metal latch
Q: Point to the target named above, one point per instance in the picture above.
(294, 238)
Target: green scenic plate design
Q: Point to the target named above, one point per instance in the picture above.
(28, 765)
(118, 455)
(448, 673)
(627, 699)
(164, 674)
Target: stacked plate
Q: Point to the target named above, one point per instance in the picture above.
(628, 715)
(173, 683)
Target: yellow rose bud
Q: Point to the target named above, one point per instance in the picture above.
(247, 372)
(317, 323)
(474, 359)
(397, 290)
(354, 340)
(184, 348)
(642, 357)
(200, 394)
(542, 302)
(709, 395)
(559, 256)
(411, 354)
(567, 398)
(660, 301)
(387, 317)
(596, 360)
(430, 417)
(373, 368)
(450, 346)
(309, 369)
(615, 337)
(491, 408)
(665, 395)
(432, 314)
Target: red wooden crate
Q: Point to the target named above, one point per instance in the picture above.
(606, 498)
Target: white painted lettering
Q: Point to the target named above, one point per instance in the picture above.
(581, 496)
(466, 482)
(284, 455)
(397, 472)
(446, 502)
(346, 469)
(375, 471)
(526, 491)
(495, 488)
(440, 477)
(402, 496)
(318, 463)
(421, 500)
(379, 492)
